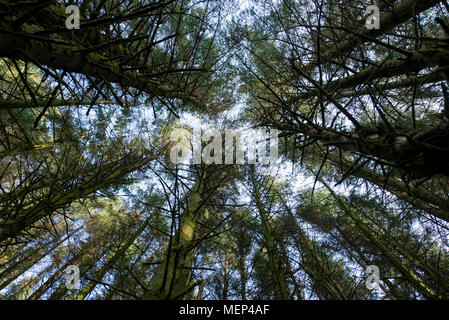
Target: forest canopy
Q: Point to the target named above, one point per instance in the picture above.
(312, 139)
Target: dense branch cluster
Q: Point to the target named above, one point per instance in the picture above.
(87, 184)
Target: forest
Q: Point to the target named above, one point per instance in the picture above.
(134, 138)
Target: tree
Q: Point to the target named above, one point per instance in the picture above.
(87, 178)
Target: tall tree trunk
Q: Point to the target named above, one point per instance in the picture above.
(363, 261)
(416, 196)
(297, 287)
(61, 291)
(406, 273)
(22, 268)
(277, 274)
(321, 275)
(112, 258)
(224, 294)
(172, 277)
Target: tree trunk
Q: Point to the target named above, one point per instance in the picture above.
(277, 274)
(172, 277)
(406, 273)
(112, 258)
